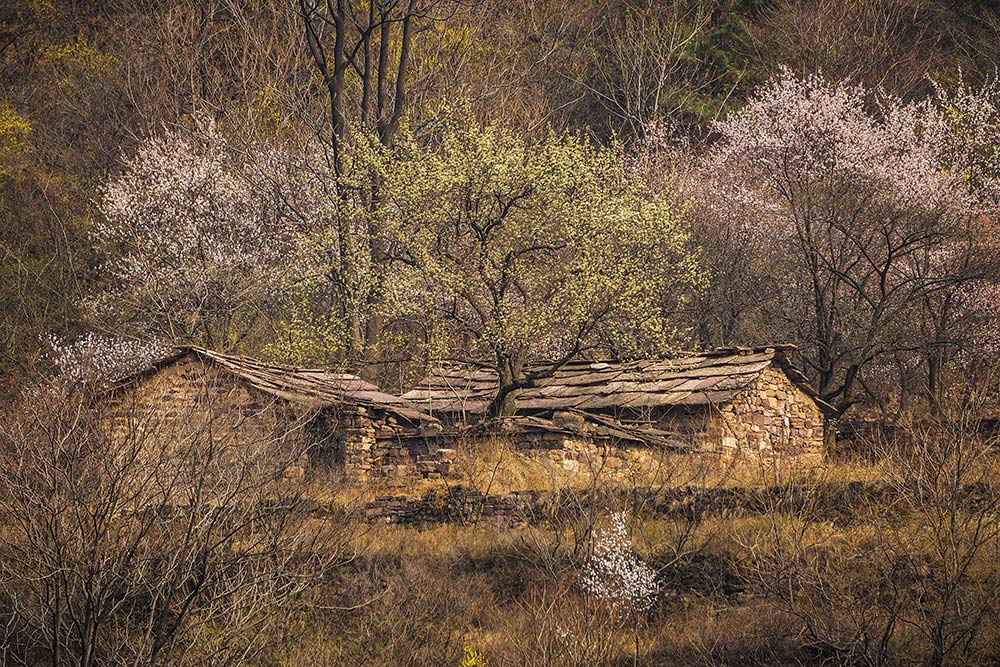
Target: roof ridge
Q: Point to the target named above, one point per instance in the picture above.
(240, 358)
(288, 382)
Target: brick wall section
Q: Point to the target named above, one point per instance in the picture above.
(571, 453)
(771, 417)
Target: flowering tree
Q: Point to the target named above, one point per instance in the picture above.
(532, 251)
(734, 256)
(194, 250)
(616, 575)
(98, 361)
(857, 190)
(958, 319)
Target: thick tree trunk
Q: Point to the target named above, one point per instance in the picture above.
(510, 384)
(504, 404)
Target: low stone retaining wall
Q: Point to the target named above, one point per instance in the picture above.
(832, 502)
(457, 504)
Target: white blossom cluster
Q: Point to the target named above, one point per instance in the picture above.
(615, 573)
(965, 125)
(98, 360)
(192, 237)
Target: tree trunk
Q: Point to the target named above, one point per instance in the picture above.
(509, 387)
(936, 360)
(829, 436)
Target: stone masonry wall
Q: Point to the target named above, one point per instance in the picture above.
(377, 446)
(192, 398)
(569, 452)
(830, 501)
(771, 417)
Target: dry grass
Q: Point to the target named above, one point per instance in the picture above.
(768, 586)
(497, 467)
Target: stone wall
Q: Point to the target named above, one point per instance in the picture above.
(771, 417)
(373, 445)
(830, 501)
(190, 399)
(376, 447)
(571, 453)
(455, 504)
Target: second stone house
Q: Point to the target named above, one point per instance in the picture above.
(740, 400)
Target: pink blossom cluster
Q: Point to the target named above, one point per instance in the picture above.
(616, 575)
(97, 360)
(805, 129)
(868, 206)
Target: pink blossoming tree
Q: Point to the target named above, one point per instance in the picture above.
(856, 193)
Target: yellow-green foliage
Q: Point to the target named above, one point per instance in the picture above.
(307, 341)
(272, 117)
(14, 131)
(79, 54)
(472, 658)
(530, 245)
(75, 61)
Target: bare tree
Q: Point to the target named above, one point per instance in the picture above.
(137, 539)
(368, 46)
(860, 187)
(916, 585)
(644, 69)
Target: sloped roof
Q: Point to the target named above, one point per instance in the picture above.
(590, 425)
(310, 386)
(696, 380)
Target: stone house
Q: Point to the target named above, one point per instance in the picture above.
(730, 401)
(324, 418)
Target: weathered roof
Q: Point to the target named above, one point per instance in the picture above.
(310, 386)
(695, 380)
(589, 426)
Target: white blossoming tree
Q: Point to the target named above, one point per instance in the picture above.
(97, 361)
(616, 576)
(195, 250)
(958, 320)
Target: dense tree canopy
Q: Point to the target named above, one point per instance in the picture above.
(308, 224)
(534, 250)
